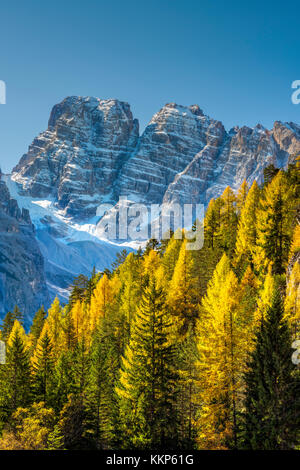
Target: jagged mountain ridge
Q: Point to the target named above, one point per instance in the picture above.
(92, 153)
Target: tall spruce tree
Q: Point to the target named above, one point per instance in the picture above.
(9, 320)
(15, 374)
(18, 315)
(272, 404)
(147, 387)
(7, 325)
(43, 367)
(102, 409)
(79, 287)
(37, 324)
(187, 385)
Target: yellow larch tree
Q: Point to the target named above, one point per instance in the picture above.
(275, 225)
(170, 257)
(55, 324)
(265, 296)
(295, 246)
(249, 292)
(246, 234)
(182, 299)
(103, 299)
(242, 196)
(80, 320)
(130, 280)
(292, 299)
(212, 223)
(222, 344)
(151, 263)
(18, 331)
(229, 219)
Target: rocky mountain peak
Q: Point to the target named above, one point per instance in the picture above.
(92, 152)
(77, 160)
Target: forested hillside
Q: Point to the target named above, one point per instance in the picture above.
(172, 348)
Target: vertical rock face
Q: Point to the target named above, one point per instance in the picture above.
(287, 137)
(78, 159)
(174, 136)
(22, 280)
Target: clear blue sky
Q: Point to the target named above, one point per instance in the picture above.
(236, 59)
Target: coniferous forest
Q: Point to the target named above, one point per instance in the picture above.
(171, 348)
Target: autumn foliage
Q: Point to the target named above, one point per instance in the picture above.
(170, 348)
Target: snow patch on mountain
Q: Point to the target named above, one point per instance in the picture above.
(68, 247)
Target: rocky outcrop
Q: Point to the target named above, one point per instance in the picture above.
(22, 280)
(287, 137)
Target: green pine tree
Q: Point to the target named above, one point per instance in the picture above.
(275, 224)
(15, 374)
(7, 325)
(102, 408)
(91, 285)
(272, 387)
(147, 387)
(80, 369)
(9, 320)
(43, 368)
(37, 324)
(55, 439)
(187, 403)
(79, 287)
(18, 315)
